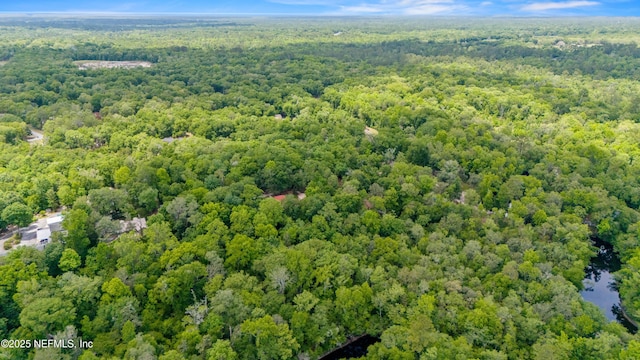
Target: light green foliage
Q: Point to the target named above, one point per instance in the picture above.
(12, 132)
(122, 175)
(114, 289)
(76, 223)
(70, 260)
(241, 251)
(272, 341)
(632, 352)
(221, 350)
(354, 306)
(630, 276)
(45, 315)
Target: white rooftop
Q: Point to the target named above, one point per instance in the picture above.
(43, 234)
(54, 219)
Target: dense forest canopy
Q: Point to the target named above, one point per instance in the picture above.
(442, 182)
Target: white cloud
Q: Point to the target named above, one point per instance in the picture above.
(432, 9)
(486, 3)
(406, 7)
(544, 6)
(363, 9)
(417, 2)
(307, 2)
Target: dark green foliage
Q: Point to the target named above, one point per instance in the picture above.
(17, 214)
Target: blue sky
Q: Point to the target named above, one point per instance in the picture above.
(338, 7)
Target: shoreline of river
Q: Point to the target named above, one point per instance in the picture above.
(362, 342)
(624, 313)
(601, 285)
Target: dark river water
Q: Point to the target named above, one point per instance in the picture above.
(352, 349)
(600, 286)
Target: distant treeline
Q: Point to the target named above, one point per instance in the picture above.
(113, 24)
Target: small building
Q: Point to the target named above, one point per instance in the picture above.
(48, 226)
(55, 223)
(43, 235)
(137, 224)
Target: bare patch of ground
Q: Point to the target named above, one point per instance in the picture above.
(36, 136)
(370, 131)
(98, 64)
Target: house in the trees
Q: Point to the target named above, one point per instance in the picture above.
(48, 226)
(137, 224)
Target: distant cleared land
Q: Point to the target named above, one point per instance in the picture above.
(98, 64)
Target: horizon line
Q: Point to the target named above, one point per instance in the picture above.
(323, 15)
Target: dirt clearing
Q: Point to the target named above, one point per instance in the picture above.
(98, 64)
